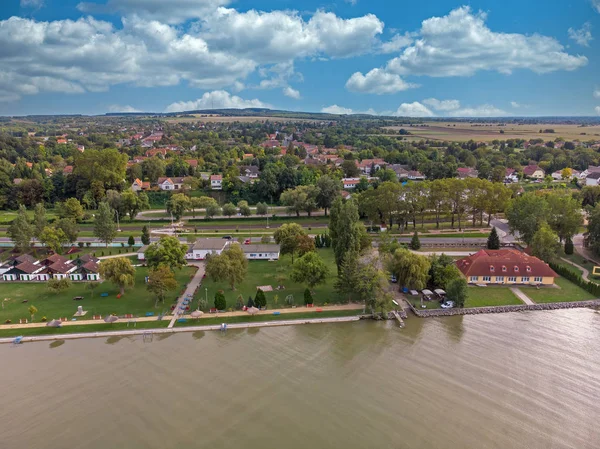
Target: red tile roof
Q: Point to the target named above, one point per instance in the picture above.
(503, 262)
(530, 170)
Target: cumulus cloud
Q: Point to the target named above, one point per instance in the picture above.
(119, 108)
(596, 5)
(598, 110)
(335, 109)
(218, 99)
(515, 105)
(377, 81)
(171, 11)
(461, 44)
(32, 3)
(597, 92)
(442, 105)
(415, 109)
(397, 43)
(582, 36)
(485, 110)
(292, 93)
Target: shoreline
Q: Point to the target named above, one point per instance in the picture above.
(177, 330)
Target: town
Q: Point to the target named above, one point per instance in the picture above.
(183, 220)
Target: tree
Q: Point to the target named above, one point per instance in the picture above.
(145, 235)
(305, 244)
(104, 226)
(415, 243)
(308, 299)
(58, 285)
(593, 237)
(300, 199)
(229, 209)
(168, 252)
(287, 237)
(348, 275)
(260, 300)
(212, 210)
(107, 166)
(310, 269)
(134, 203)
(39, 219)
(53, 238)
(345, 229)
(178, 204)
(153, 168)
(20, 231)
(119, 271)
(220, 303)
(566, 173)
(91, 286)
(564, 214)
(544, 244)
(350, 169)
(231, 266)
(265, 239)
(72, 209)
(525, 215)
(70, 228)
(262, 209)
(160, 281)
(32, 311)
(411, 270)
(244, 208)
(569, 249)
(457, 291)
(493, 241)
(329, 190)
(442, 271)
(131, 241)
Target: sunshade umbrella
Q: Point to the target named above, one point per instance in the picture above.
(197, 314)
(53, 323)
(252, 310)
(111, 319)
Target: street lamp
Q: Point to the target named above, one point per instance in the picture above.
(118, 225)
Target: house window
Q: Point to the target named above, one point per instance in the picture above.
(487, 279)
(516, 269)
(473, 279)
(537, 279)
(252, 255)
(512, 279)
(503, 269)
(499, 278)
(528, 269)
(525, 279)
(492, 268)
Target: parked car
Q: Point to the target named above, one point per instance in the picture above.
(393, 278)
(247, 241)
(226, 237)
(447, 305)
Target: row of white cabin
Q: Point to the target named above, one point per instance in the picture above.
(204, 247)
(26, 268)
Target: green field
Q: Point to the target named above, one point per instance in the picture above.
(480, 297)
(261, 273)
(568, 292)
(136, 300)
(100, 327)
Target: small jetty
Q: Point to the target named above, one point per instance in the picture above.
(399, 318)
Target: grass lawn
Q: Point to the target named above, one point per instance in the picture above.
(100, 327)
(136, 300)
(568, 292)
(262, 272)
(568, 266)
(262, 318)
(491, 296)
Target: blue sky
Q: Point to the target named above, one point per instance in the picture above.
(431, 58)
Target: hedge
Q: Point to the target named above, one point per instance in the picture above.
(590, 287)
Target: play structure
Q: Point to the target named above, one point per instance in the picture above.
(596, 271)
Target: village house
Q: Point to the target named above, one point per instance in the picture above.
(251, 171)
(68, 170)
(534, 172)
(25, 271)
(216, 182)
(139, 185)
(261, 251)
(400, 170)
(156, 152)
(173, 183)
(415, 175)
(511, 176)
(505, 267)
(467, 172)
(350, 183)
(593, 179)
(366, 165)
(558, 175)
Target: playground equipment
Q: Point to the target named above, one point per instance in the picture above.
(596, 271)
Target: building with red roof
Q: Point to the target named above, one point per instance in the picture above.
(505, 267)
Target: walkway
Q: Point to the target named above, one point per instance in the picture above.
(190, 289)
(522, 296)
(586, 273)
(447, 253)
(115, 256)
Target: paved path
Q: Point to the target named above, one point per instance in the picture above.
(522, 296)
(117, 256)
(190, 289)
(447, 253)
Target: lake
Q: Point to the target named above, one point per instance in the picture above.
(520, 380)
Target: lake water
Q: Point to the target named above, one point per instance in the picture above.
(529, 380)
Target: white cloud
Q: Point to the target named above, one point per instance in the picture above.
(461, 44)
(292, 93)
(170, 11)
(442, 105)
(397, 43)
(597, 92)
(598, 110)
(218, 99)
(515, 105)
(582, 36)
(377, 81)
(596, 4)
(335, 109)
(486, 110)
(415, 109)
(119, 108)
(32, 3)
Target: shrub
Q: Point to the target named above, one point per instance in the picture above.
(569, 246)
(415, 243)
(220, 303)
(7, 322)
(308, 299)
(44, 319)
(80, 244)
(260, 299)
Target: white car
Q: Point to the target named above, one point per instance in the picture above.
(447, 305)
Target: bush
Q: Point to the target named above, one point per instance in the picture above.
(260, 299)
(308, 299)
(250, 302)
(569, 247)
(220, 303)
(80, 244)
(7, 322)
(576, 279)
(44, 319)
(415, 243)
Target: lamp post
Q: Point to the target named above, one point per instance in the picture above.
(206, 295)
(118, 225)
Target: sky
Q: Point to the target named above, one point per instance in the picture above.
(435, 58)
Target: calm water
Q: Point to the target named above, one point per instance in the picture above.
(497, 381)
